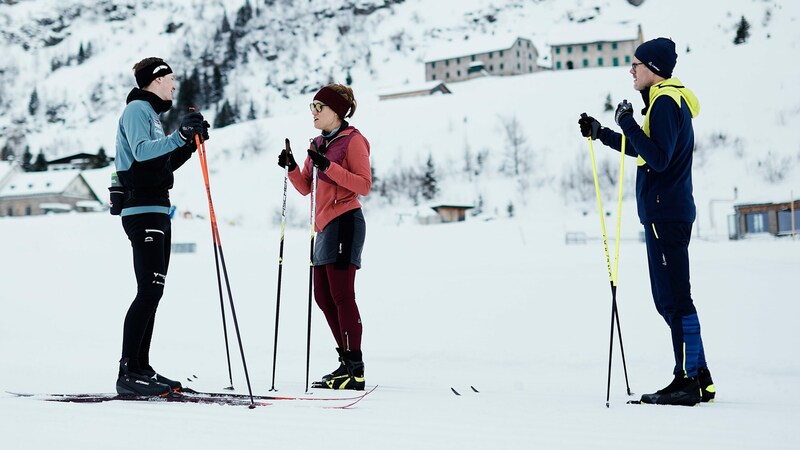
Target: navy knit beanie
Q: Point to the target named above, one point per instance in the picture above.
(658, 55)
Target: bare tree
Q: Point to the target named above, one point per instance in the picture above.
(517, 154)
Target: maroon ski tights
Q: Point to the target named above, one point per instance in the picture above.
(334, 291)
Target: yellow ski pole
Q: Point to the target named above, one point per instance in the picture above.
(612, 274)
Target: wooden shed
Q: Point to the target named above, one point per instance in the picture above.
(778, 219)
(452, 213)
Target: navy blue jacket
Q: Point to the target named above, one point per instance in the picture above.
(665, 145)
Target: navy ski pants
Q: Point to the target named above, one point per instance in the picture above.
(668, 261)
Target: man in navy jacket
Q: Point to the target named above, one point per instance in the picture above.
(663, 146)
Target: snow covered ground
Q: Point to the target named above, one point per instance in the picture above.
(501, 305)
(504, 306)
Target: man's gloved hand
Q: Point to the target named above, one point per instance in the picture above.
(623, 109)
(321, 162)
(286, 159)
(191, 124)
(589, 126)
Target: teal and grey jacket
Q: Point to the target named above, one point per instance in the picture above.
(146, 157)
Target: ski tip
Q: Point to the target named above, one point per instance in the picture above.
(454, 391)
(229, 388)
(475, 390)
(634, 402)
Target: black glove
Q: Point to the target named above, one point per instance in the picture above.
(321, 162)
(589, 126)
(286, 158)
(623, 109)
(191, 124)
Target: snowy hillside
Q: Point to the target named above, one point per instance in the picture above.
(499, 303)
(740, 144)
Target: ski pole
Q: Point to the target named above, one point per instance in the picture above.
(203, 167)
(201, 149)
(616, 262)
(280, 264)
(611, 274)
(311, 268)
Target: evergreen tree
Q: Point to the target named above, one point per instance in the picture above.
(7, 153)
(243, 15)
(33, 103)
(101, 160)
(429, 188)
(226, 25)
(742, 32)
(251, 115)
(81, 54)
(40, 165)
(608, 106)
(27, 157)
(225, 116)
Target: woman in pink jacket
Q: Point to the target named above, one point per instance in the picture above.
(341, 155)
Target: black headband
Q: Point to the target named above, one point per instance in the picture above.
(150, 72)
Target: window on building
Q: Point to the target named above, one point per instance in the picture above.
(756, 222)
(28, 210)
(458, 60)
(433, 76)
(501, 66)
(599, 47)
(627, 60)
(433, 65)
(491, 68)
(569, 49)
(558, 65)
(473, 57)
(585, 63)
(519, 67)
(585, 48)
(613, 46)
(616, 61)
(490, 55)
(501, 53)
(570, 65)
(447, 63)
(458, 73)
(530, 55)
(599, 61)
(558, 50)
(10, 211)
(447, 76)
(530, 68)
(785, 221)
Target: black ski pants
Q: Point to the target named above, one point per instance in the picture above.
(150, 235)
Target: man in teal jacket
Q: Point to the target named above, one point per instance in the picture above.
(145, 160)
(663, 147)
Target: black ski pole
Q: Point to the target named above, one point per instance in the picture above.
(280, 264)
(311, 269)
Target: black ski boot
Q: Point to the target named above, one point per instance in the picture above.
(708, 391)
(352, 379)
(341, 370)
(149, 372)
(133, 383)
(683, 391)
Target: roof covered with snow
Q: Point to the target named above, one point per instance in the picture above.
(473, 45)
(37, 183)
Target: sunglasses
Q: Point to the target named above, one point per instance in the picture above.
(316, 107)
